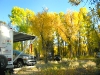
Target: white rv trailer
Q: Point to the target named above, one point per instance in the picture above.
(7, 37)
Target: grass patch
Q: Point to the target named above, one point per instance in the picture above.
(86, 57)
(60, 68)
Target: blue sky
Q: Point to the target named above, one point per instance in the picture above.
(36, 6)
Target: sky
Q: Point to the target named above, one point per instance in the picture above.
(36, 6)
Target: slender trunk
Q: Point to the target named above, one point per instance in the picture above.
(79, 46)
(58, 46)
(70, 47)
(63, 49)
(22, 46)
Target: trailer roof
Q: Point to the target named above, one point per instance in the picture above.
(19, 36)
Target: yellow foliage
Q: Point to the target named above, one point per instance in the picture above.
(98, 11)
(42, 24)
(75, 17)
(83, 10)
(80, 16)
(55, 49)
(72, 26)
(62, 32)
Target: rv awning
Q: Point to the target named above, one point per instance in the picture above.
(19, 36)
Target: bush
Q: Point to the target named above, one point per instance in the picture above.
(97, 61)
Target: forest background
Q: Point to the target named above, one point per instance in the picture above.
(71, 34)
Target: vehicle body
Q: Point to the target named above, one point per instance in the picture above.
(6, 47)
(98, 55)
(57, 58)
(23, 59)
(7, 37)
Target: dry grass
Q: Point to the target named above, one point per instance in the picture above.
(59, 68)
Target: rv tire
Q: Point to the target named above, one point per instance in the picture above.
(3, 62)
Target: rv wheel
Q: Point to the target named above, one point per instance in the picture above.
(3, 62)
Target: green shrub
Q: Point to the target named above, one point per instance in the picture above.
(97, 61)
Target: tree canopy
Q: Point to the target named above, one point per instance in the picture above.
(73, 32)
